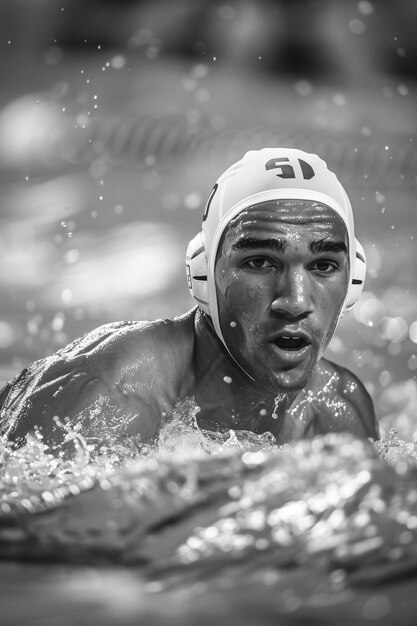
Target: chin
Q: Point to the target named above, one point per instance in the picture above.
(289, 384)
(284, 382)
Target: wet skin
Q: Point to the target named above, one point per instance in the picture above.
(281, 274)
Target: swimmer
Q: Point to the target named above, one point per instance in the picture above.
(274, 268)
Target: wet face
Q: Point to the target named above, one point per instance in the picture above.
(281, 275)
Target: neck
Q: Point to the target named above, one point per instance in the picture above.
(226, 395)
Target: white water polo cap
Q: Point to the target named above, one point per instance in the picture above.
(261, 175)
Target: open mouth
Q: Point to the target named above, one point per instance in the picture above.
(285, 342)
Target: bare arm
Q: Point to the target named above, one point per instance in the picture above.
(78, 386)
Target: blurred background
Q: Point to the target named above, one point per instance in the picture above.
(117, 116)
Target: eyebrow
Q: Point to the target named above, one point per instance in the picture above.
(247, 243)
(279, 245)
(324, 245)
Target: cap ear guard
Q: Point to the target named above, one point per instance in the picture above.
(357, 280)
(196, 269)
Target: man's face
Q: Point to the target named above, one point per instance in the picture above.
(281, 274)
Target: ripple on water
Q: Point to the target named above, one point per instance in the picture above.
(233, 495)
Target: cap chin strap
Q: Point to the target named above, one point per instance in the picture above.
(231, 355)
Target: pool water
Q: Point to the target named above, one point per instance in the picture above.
(350, 500)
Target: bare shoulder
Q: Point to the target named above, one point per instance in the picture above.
(120, 369)
(114, 347)
(127, 337)
(350, 390)
(116, 350)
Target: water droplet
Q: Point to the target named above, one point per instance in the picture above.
(412, 331)
(412, 362)
(384, 378)
(193, 201)
(7, 335)
(376, 607)
(277, 401)
(366, 8)
(152, 53)
(394, 329)
(66, 295)
(58, 322)
(357, 27)
(339, 100)
(72, 256)
(118, 62)
(303, 88)
(200, 70)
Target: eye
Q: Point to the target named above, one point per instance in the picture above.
(259, 263)
(324, 266)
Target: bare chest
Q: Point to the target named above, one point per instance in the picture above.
(319, 409)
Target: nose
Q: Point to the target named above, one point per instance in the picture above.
(293, 297)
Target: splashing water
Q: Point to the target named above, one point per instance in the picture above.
(35, 479)
(277, 402)
(197, 501)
